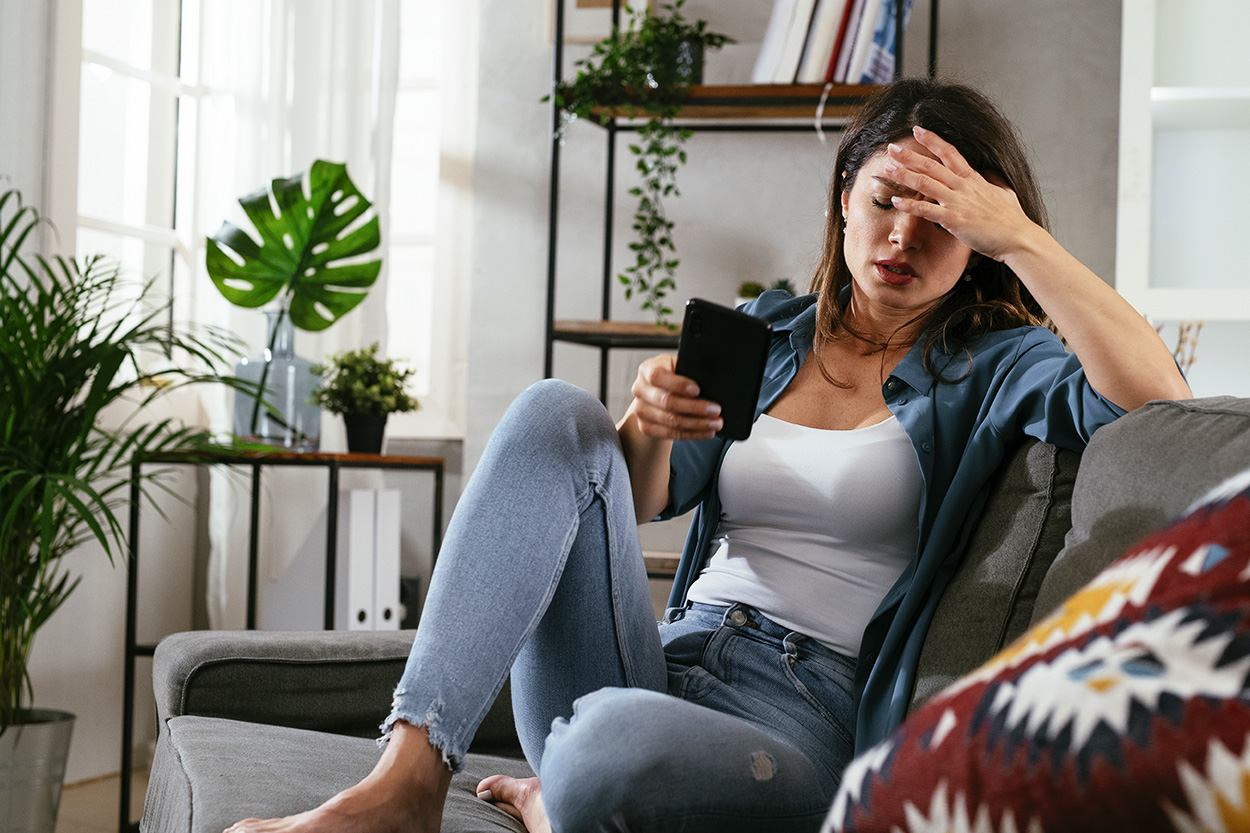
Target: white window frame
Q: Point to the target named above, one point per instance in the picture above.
(443, 410)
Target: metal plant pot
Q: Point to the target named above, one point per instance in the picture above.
(33, 752)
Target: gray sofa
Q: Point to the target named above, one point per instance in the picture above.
(262, 724)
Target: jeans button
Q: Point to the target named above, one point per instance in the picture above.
(737, 617)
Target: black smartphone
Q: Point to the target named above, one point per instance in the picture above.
(724, 351)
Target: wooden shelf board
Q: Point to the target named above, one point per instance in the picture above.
(616, 333)
(766, 101)
(661, 564)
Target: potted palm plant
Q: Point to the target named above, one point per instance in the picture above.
(364, 390)
(313, 232)
(79, 339)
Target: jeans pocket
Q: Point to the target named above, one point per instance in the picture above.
(696, 684)
(830, 701)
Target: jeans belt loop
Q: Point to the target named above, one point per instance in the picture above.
(791, 643)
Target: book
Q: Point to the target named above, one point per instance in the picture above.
(848, 41)
(863, 40)
(837, 43)
(774, 39)
(796, 38)
(826, 20)
(879, 68)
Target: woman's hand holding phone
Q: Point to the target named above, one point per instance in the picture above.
(667, 406)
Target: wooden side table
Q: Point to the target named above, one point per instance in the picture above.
(333, 463)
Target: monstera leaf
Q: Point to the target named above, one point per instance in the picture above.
(304, 239)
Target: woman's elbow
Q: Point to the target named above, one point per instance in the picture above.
(1170, 386)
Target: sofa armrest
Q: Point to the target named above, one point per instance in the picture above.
(330, 681)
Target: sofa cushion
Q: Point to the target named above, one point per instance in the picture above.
(329, 681)
(1127, 709)
(989, 601)
(1138, 473)
(216, 771)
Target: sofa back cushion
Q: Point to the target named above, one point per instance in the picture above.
(1127, 709)
(1140, 472)
(990, 600)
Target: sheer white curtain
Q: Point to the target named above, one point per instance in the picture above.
(281, 83)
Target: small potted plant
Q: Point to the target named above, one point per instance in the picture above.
(749, 290)
(364, 390)
(643, 71)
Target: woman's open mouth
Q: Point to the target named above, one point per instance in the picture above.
(894, 272)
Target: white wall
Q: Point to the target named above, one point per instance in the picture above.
(23, 76)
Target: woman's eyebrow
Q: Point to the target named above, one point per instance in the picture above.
(901, 190)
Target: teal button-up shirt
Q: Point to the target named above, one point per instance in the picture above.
(1020, 383)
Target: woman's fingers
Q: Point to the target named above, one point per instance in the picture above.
(947, 153)
(985, 215)
(668, 405)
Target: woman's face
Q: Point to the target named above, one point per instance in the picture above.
(900, 265)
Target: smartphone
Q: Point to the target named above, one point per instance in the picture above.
(724, 352)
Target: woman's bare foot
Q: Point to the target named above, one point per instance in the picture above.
(519, 797)
(404, 792)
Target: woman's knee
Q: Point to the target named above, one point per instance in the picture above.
(552, 410)
(597, 764)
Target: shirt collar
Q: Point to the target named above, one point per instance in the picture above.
(801, 329)
(911, 369)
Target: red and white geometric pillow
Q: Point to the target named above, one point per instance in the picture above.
(1128, 709)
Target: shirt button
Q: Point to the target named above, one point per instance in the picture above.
(737, 617)
(926, 447)
(903, 401)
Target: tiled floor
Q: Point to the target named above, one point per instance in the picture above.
(91, 806)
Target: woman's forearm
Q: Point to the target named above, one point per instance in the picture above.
(647, 460)
(1123, 357)
(666, 407)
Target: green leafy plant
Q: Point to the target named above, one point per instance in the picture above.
(358, 382)
(643, 71)
(787, 285)
(750, 289)
(74, 335)
(754, 289)
(312, 236)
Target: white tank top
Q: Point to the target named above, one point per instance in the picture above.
(815, 526)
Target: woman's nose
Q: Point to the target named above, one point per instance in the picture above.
(906, 231)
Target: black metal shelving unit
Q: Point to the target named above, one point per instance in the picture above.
(761, 108)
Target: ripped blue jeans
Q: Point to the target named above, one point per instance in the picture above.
(717, 720)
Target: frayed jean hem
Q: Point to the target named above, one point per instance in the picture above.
(453, 753)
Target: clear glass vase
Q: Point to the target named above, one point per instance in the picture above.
(289, 422)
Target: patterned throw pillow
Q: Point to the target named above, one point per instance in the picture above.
(1128, 709)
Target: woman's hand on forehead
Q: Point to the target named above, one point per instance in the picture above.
(944, 189)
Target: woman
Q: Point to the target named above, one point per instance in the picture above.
(819, 547)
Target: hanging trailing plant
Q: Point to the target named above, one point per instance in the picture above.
(643, 71)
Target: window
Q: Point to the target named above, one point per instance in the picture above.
(184, 105)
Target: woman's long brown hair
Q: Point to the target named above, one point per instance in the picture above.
(994, 298)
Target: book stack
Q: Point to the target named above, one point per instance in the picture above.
(829, 41)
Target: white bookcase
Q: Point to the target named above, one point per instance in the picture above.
(1184, 178)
